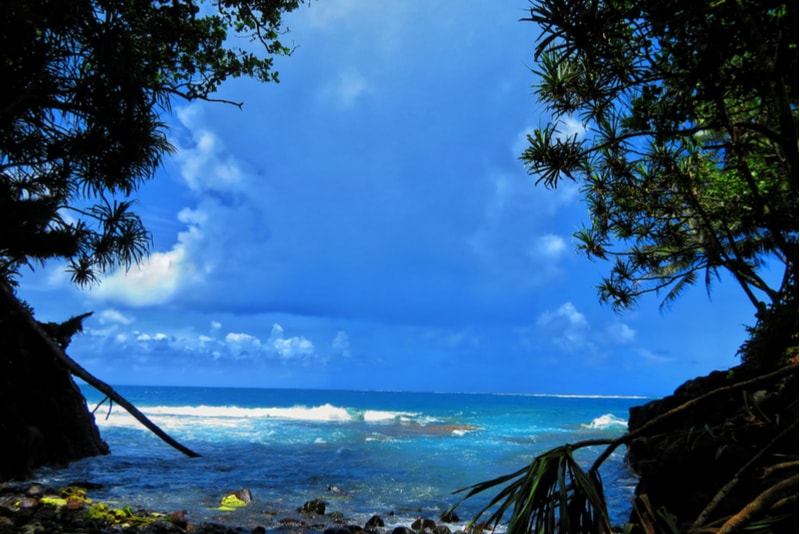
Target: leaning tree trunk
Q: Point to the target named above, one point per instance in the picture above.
(43, 415)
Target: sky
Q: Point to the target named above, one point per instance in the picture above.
(367, 224)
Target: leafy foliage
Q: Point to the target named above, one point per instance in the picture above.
(84, 85)
(689, 161)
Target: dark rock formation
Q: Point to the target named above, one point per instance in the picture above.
(739, 427)
(44, 420)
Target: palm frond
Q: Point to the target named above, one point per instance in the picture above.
(552, 494)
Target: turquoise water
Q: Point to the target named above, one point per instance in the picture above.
(364, 453)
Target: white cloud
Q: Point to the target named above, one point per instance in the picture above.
(341, 344)
(233, 346)
(521, 142)
(568, 328)
(205, 168)
(205, 162)
(331, 12)
(159, 336)
(289, 348)
(239, 339)
(111, 316)
(154, 281)
(512, 237)
(566, 313)
(570, 127)
(549, 246)
(348, 87)
(566, 128)
(240, 346)
(652, 357)
(620, 333)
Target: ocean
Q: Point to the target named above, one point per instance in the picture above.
(399, 455)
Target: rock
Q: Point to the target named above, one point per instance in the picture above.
(336, 490)
(34, 490)
(236, 499)
(442, 529)
(258, 530)
(212, 528)
(314, 506)
(424, 524)
(74, 505)
(449, 517)
(337, 530)
(374, 522)
(403, 530)
(29, 502)
(179, 519)
(245, 495)
(337, 516)
(33, 528)
(292, 522)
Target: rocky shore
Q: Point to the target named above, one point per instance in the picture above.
(35, 509)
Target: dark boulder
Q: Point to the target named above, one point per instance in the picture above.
(449, 517)
(314, 506)
(422, 524)
(374, 522)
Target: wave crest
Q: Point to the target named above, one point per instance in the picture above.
(607, 422)
(323, 413)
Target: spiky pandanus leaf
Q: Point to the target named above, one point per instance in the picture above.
(552, 494)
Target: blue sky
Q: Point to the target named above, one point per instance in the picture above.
(367, 224)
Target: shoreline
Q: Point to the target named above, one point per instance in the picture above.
(31, 507)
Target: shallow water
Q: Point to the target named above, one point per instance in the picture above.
(364, 453)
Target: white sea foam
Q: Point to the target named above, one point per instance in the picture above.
(606, 422)
(233, 416)
(378, 416)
